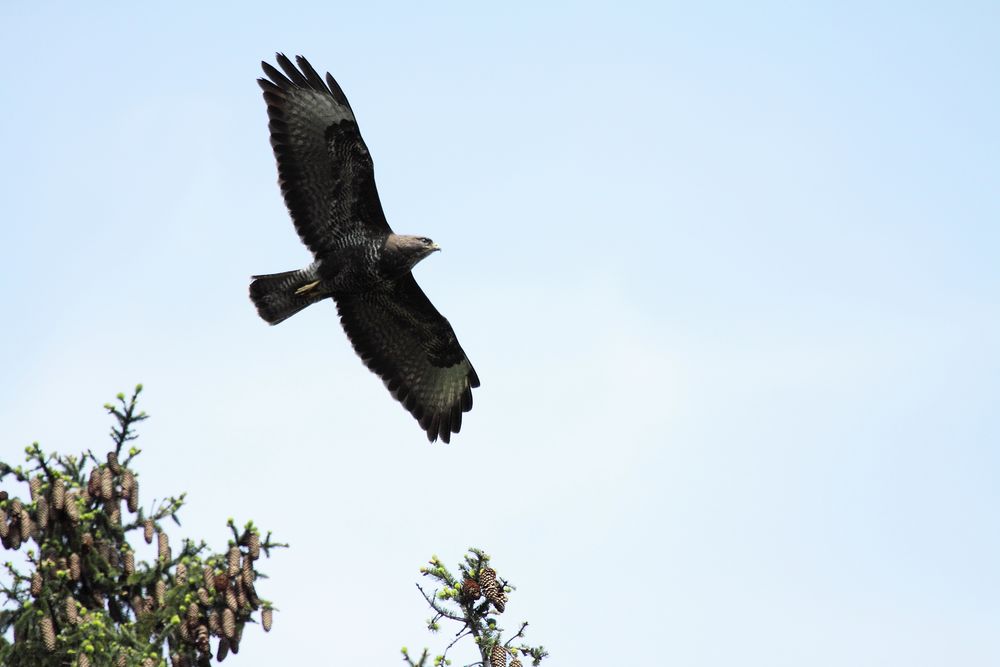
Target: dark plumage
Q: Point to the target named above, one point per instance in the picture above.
(328, 182)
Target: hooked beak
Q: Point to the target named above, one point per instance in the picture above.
(434, 247)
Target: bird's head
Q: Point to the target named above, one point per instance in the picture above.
(408, 250)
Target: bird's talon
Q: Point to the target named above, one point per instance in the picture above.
(306, 288)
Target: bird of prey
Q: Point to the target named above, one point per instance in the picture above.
(328, 182)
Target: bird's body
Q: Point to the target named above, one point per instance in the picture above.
(327, 179)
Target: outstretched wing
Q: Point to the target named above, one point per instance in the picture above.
(401, 336)
(324, 169)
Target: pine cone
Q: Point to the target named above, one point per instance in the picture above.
(204, 598)
(34, 486)
(133, 496)
(14, 538)
(147, 531)
(160, 592)
(48, 631)
(35, 531)
(252, 597)
(24, 524)
(94, 483)
(181, 574)
(121, 660)
(201, 639)
(267, 618)
(137, 606)
(253, 545)
(498, 655)
(113, 463)
(192, 614)
(487, 575)
(42, 512)
(59, 494)
(213, 623)
(4, 527)
(234, 643)
(163, 547)
(223, 650)
(87, 540)
(228, 623)
(220, 582)
(233, 561)
(471, 590)
(36, 584)
(127, 482)
(71, 507)
(107, 484)
(113, 508)
(515, 663)
(231, 602)
(74, 566)
(69, 605)
(491, 588)
(82, 660)
(15, 507)
(129, 564)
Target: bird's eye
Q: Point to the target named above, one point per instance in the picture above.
(425, 241)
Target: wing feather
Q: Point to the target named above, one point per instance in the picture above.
(402, 337)
(325, 171)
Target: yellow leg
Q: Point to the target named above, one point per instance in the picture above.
(306, 288)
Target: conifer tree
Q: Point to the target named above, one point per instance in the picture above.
(472, 601)
(81, 597)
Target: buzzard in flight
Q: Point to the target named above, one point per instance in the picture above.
(328, 182)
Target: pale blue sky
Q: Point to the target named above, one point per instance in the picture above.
(728, 274)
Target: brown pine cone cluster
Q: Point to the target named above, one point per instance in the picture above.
(225, 601)
(16, 525)
(91, 566)
(471, 591)
(498, 655)
(492, 589)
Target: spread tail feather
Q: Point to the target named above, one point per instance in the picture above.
(278, 296)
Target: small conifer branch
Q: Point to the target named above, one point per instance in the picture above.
(459, 601)
(422, 662)
(126, 417)
(269, 544)
(18, 473)
(434, 605)
(35, 453)
(465, 631)
(520, 633)
(167, 507)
